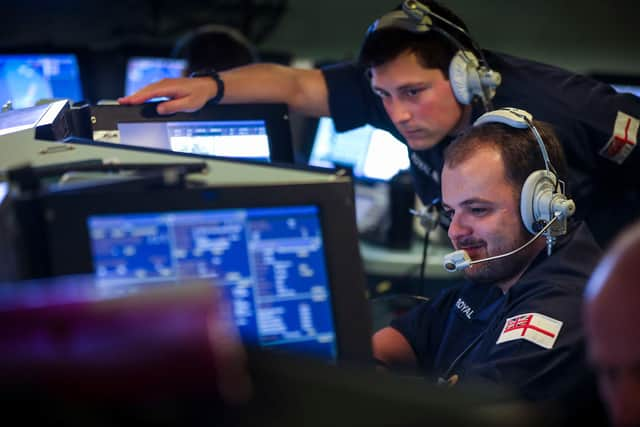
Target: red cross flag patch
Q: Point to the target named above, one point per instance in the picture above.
(623, 140)
(534, 327)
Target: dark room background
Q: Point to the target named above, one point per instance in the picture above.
(587, 36)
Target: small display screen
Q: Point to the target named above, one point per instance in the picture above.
(246, 139)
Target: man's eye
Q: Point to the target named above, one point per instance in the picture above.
(413, 92)
(479, 211)
(447, 213)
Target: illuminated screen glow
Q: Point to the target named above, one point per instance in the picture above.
(269, 263)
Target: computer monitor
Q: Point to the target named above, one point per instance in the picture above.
(374, 157)
(277, 252)
(26, 79)
(373, 154)
(269, 261)
(142, 71)
(258, 132)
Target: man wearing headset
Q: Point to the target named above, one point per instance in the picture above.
(417, 78)
(516, 320)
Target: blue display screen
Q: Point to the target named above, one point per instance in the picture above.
(268, 262)
(26, 79)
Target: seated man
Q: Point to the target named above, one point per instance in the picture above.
(612, 301)
(516, 320)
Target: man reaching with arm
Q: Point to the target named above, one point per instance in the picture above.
(304, 91)
(427, 83)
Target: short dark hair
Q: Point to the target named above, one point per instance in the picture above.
(214, 46)
(433, 49)
(519, 149)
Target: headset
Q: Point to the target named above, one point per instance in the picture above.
(469, 74)
(544, 207)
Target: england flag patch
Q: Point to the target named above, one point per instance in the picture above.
(623, 140)
(534, 327)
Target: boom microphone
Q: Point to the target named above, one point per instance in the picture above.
(460, 259)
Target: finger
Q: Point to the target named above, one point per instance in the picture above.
(185, 104)
(169, 88)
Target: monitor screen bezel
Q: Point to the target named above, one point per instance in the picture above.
(69, 248)
(275, 116)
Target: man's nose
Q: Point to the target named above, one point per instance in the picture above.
(458, 228)
(397, 111)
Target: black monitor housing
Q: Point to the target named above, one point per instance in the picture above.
(142, 126)
(49, 234)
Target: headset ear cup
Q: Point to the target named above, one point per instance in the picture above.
(534, 199)
(459, 79)
(464, 77)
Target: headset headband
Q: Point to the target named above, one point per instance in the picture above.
(416, 17)
(520, 119)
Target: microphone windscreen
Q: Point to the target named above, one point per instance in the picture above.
(455, 261)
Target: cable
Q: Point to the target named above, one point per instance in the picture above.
(443, 379)
(429, 218)
(423, 265)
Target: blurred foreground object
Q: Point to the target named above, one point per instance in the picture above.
(77, 353)
(612, 301)
(70, 343)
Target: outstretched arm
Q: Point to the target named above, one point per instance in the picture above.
(304, 91)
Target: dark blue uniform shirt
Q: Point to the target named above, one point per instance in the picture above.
(458, 331)
(582, 111)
